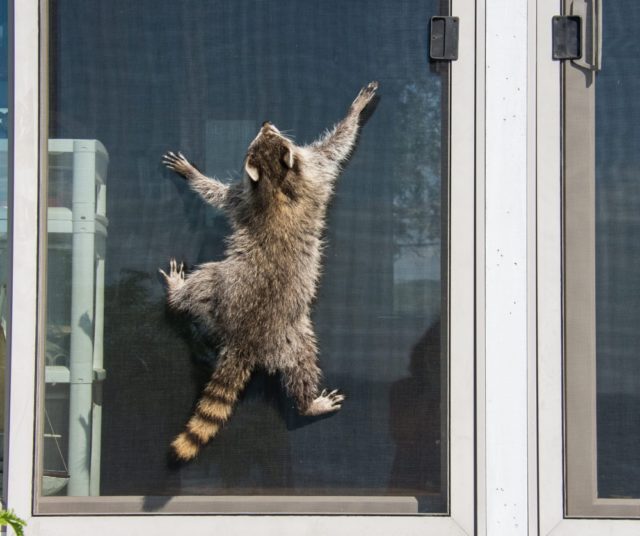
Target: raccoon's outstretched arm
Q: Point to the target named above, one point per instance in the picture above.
(337, 144)
(214, 407)
(212, 190)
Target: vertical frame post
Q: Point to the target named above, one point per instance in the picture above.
(507, 256)
(24, 159)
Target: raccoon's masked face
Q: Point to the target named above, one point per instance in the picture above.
(271, 162)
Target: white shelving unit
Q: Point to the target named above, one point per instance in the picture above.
(86, 222)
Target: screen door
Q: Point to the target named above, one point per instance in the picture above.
(128, 81)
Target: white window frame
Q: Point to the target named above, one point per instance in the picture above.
(27, 103)
(551, 453)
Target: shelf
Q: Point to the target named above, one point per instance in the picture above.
(61, 374)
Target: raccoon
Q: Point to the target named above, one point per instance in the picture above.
(254, 306)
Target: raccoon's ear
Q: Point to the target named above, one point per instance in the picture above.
(252, 171)
(287, 158)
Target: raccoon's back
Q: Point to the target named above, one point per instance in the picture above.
(272, 286)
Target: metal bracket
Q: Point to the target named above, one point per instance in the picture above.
(444, 38)
(578, 37)
(567, 37)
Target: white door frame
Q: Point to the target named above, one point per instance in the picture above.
(26, 106)
(550, 307)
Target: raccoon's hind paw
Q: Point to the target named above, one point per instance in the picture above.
(325, 403)
(178, 163)
(365, 96)
(175, 277)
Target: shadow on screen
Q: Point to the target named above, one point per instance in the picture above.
(415, 420)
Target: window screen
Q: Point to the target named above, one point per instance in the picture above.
(618, 254)
(129, 81)
(602, 291)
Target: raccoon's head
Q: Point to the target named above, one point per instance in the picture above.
(271, 164)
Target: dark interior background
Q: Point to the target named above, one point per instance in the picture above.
(149, 76)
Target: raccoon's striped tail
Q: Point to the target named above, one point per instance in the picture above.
(212, 410)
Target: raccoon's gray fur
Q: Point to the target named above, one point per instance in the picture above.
(254, 305)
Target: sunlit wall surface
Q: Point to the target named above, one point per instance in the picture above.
(131, 80)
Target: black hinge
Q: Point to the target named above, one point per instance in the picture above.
(567, 37)
(444, 38)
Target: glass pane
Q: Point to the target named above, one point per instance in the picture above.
(618, 253)
(4, 203)
(132, 80)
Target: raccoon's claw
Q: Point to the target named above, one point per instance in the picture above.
(176, 273)
(176, 270)
(178, 163)
(327, 402)
(372, 87)
(364, 97)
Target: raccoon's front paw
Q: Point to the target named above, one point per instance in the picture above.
(179, 164)
(325, 403)
(364, 97)
(175, 277)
